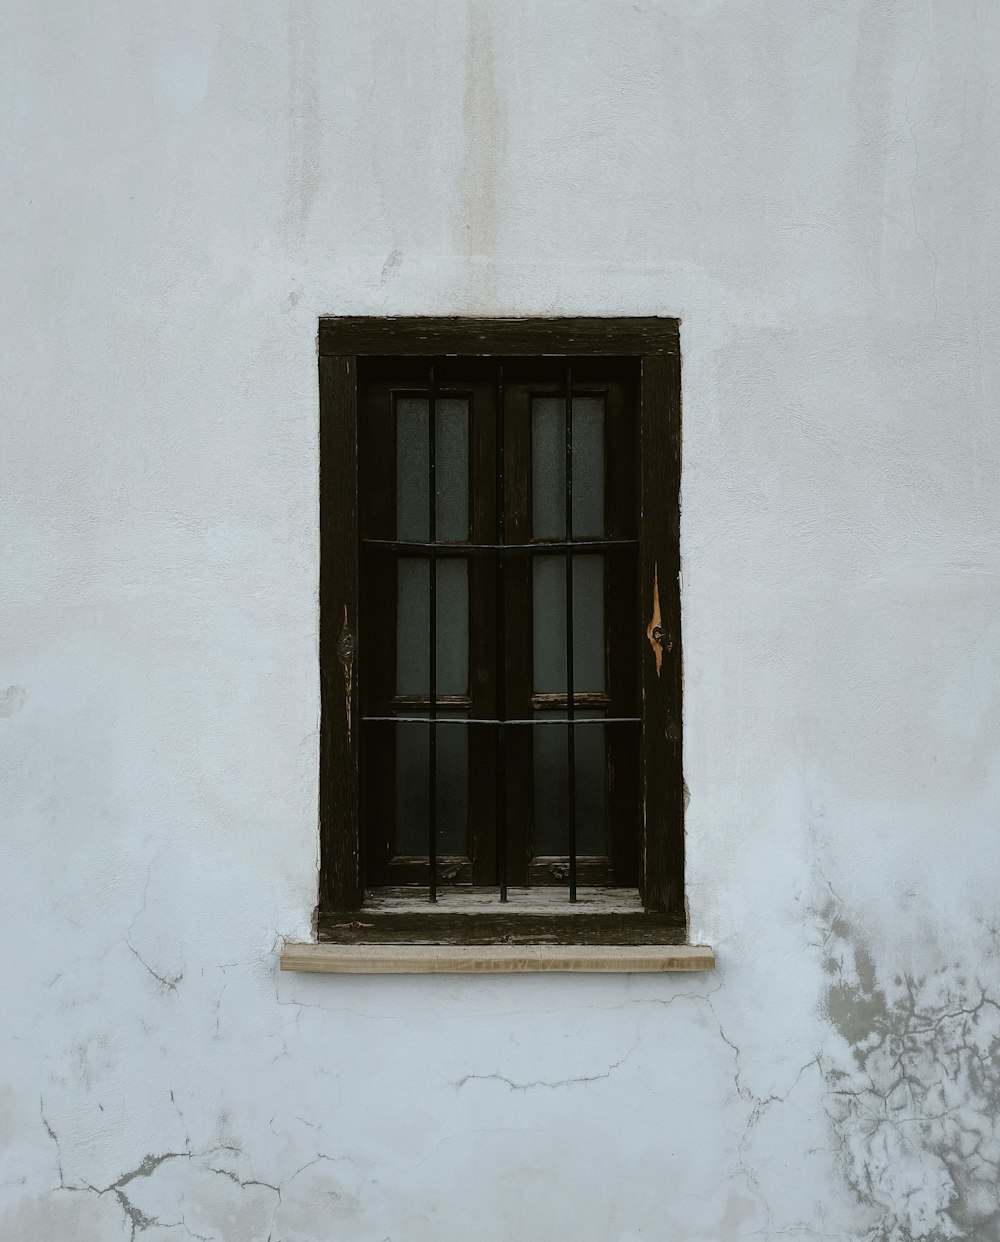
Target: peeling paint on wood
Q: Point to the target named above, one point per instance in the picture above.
(654, 631)
(345, 654)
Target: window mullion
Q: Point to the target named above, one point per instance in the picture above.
(570, 630)
(432, 828)
(517, 615)
(500, 661)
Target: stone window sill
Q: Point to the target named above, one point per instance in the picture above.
(421, 959)
(468, 931)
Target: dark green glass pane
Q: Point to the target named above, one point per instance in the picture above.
(451, 468)
(412, 802)
(549, 623)
(548, 467)
(551, 794)
(413, 627)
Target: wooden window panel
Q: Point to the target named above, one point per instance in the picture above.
(523, 381)
(650, 772)
(381, 386)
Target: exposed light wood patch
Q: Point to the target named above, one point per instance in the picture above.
(402, 959)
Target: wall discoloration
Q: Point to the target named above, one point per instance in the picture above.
(812, 188)
(305, 122)
(914, 1089)
(483, 138)
(395, 257)
(12, 700)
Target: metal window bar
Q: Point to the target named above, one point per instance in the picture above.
(414, 546)
(432, 550)
(570, 695)
(501, 646)
(432, 662)
(538, 722)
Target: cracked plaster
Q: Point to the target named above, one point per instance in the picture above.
(810, 187)
(914, 1097)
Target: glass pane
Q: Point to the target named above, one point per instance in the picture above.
(451, 468)
(413, 626)
(551, 817)
(412, 809)
(549, 624)
(548, 467)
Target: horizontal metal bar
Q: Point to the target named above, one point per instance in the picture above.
(544, 720)
(462, 549)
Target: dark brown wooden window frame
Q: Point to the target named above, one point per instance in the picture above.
(342, 912)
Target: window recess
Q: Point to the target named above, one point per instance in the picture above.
(500, 641)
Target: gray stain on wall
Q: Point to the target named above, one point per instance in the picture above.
(913, 1094)
(304, 122)
(12, 700)
(483, 139)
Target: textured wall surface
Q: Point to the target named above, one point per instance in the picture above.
(812, 185)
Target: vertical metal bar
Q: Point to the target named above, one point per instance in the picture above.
(432, 689)
(570, 692)
(501, 646)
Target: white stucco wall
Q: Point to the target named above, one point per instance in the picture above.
(812, 186)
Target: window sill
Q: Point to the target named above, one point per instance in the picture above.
(468, 930)
(464, 915)
(419, 959)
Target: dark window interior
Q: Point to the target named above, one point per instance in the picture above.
(501, 547)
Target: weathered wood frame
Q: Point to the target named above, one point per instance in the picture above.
(655, 342)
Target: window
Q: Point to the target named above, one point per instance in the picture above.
(489, 488)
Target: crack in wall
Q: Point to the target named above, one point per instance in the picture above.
(514, 1084)
(168, 982)
(140, 1221)
(914, 1094)
(758, 1106)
